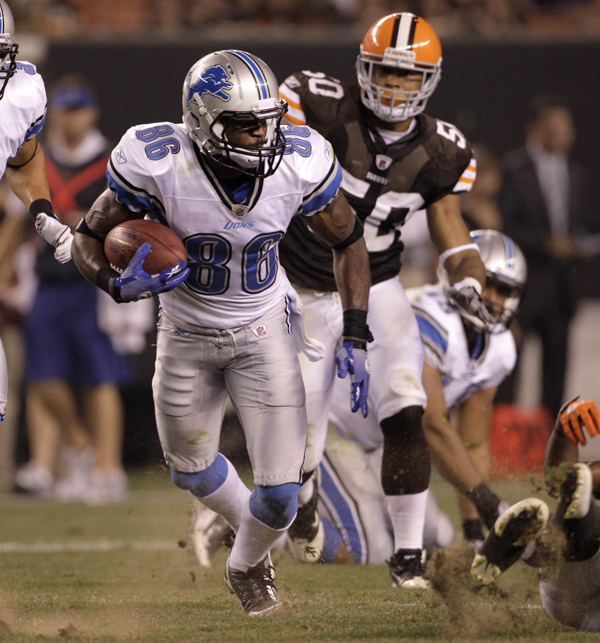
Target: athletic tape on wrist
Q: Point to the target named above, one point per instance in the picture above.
(453, 251)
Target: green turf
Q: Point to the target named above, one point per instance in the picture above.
(161, 594)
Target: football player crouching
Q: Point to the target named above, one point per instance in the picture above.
(465, 360)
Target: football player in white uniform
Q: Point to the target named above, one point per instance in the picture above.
(465, 361)
(228, 180)
(22, 114)
(396, 160)
(569, 576)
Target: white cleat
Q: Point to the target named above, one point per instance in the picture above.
(207, 533)
(407, 567)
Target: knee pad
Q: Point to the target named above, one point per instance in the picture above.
(202, 483)
(276, 507)
(406, 464)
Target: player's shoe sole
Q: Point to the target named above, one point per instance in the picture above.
(576, 491)
(513, 531)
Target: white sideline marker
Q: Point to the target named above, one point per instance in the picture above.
(93, 546)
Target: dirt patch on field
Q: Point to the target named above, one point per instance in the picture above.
(98, 621)
(476, 611)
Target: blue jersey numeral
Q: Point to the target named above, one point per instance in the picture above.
(209, 254)
(160, 149)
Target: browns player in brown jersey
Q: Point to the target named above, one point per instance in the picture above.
(396, 161)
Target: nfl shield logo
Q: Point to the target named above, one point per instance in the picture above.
(260, 331)
(240, 210)
(382, 161)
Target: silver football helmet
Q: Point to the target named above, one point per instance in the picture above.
(505, 265)
(234, 89)
(8, 49)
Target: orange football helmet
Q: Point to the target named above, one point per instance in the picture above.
(405, 41)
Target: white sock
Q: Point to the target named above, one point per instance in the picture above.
(408, 518)
(229, 499)
(305, 492)
(252, 542)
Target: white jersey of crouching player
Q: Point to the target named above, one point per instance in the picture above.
(463, 371)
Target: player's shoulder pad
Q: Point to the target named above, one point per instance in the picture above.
(435, 317)
(317, 98)
(445, 143)
(149, 143)
(505, 348)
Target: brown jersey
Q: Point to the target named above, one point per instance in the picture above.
(384, 184)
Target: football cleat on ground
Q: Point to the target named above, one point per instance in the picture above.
(576, 491)
(208, 532)
(306, 535)
(254, 588)
(407, 567)
(504, 545)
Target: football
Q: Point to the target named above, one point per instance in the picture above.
(123, 241)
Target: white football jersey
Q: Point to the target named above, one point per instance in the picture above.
(22, 111)
(445, 347)
(232, 247)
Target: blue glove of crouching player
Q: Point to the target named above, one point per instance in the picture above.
(352, 358)
(135, 283)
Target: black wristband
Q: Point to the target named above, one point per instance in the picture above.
(104, 279)
(39, 206)
(355, 325)
(84, 228)
(355, 235)
(486, 502)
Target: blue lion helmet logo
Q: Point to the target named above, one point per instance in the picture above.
(214, 80)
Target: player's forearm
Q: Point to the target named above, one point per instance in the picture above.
(465, 264)
(88, 256)
(449, 454)
(28, 181)
(88, 246)
(353, 275)
(559, 449)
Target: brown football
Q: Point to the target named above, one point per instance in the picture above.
(123, 241)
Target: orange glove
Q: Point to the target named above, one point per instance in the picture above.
(576, 416)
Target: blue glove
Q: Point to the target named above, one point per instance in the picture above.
(352, 358)
(135, 283)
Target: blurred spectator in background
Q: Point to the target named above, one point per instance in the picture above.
(72, 369)
(480, 206)
(67, 18)
(545, 208)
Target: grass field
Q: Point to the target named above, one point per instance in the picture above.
(124, 573)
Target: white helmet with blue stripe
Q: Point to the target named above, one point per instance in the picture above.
(505, 265)
(234, 88)
(8, 49)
